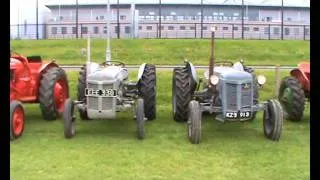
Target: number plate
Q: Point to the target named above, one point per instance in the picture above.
(238, 115)
(101, 92)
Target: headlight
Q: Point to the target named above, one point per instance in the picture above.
(214, 79)
(261, 79)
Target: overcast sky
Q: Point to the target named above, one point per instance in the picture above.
(26, 8)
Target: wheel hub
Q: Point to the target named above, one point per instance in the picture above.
(18, 121)
(60, 95)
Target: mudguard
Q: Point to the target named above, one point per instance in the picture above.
(192, 70)
(141, 70)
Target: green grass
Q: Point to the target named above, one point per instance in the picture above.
(109, 149)
(169, 51)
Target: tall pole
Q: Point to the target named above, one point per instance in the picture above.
(160, 19)
(118, 20)
(282, 20)
(37, 22)
(242, 23)
(201, 19)
(18, 21)
(77, 9)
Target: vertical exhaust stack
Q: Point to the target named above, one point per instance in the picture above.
(211, 63)
(108, 51)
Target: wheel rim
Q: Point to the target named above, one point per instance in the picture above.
(18, 121)
(60, 94)
(287, 99)
(268, 122)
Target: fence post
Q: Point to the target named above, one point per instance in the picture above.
(232, 29)
(81, 31)
(304, 32)
(277, 79)
(269, 34)
(195, 30)
(158, 27)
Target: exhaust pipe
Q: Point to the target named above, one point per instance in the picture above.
(211, 62)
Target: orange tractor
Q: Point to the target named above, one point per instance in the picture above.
(294, 90)
(32, 81)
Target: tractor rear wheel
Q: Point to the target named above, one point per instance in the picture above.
(273, 120)
(17, 119)
(69, 119)
(292, 98)
(182, 90)
(53, 92)
(82, 83)
(140, 118)
(147, 90)
(194, 122)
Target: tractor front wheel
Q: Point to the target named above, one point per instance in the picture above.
(82, 82)
(53, 92)
(292, 98)
(194, 122)
(273, 120)
(140, 118)
(17, 119)
(69, 119)
(147, 90)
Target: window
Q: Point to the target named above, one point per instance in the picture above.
(225, 28)
(149, 27)
(204, 27)
(116, 29)
(296, 31)
(286, 31)
(101, 17)
(61, 18)
(54, 30)
(192, 28)
(170, 28)
(182, 28)
(162, 27)
(269, 18)
(140, 27)
(289, 19)
(96, 30)
(307, 31)
(255, 29)
(235, 28)
(246, 28)
(63, 30)
(266, 30)
(74, 30)
(127, 29)
(276, 30)
(122, 17)
(105, 30)
(84, 30)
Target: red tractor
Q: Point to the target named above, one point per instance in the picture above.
(294, 90)
(32, 81)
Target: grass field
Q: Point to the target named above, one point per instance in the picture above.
(169, 51)
(110, 150)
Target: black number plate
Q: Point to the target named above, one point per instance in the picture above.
(238, 115)
(101, 92)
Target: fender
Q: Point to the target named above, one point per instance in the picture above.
(141, 70)
(47, 65)
(193, 71)
(301, 76)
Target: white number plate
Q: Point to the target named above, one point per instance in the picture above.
(101, 92)
(235, 115)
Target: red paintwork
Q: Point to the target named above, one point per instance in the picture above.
(60, 94)
(18, 121)
(302, 73)
(25, 85)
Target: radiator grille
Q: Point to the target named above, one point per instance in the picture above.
(246, 95)
(231, 96)
(107, 102)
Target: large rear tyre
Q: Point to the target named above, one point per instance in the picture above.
(53, 92)
(82, 81)
(182, 90)
(273, 120)
(69, 119)
(292, 98)
(17, 119)
(194, 122)
(148, 91)
(140, 119)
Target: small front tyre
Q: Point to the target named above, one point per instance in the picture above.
(140, 118)
(194, 122)
(273, 120)
(17, 119)
(69, 119)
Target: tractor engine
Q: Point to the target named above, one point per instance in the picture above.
(235, 89)
(104, 90)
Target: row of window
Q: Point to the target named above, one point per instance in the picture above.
(96, 30)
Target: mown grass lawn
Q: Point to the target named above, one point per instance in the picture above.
(110, 150)
(169, 51)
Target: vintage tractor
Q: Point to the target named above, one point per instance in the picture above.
(32, 81)
(104, 90)
(294, 90)
(230, 92)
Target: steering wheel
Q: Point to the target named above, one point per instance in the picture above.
(223, 63)
(115, 63)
